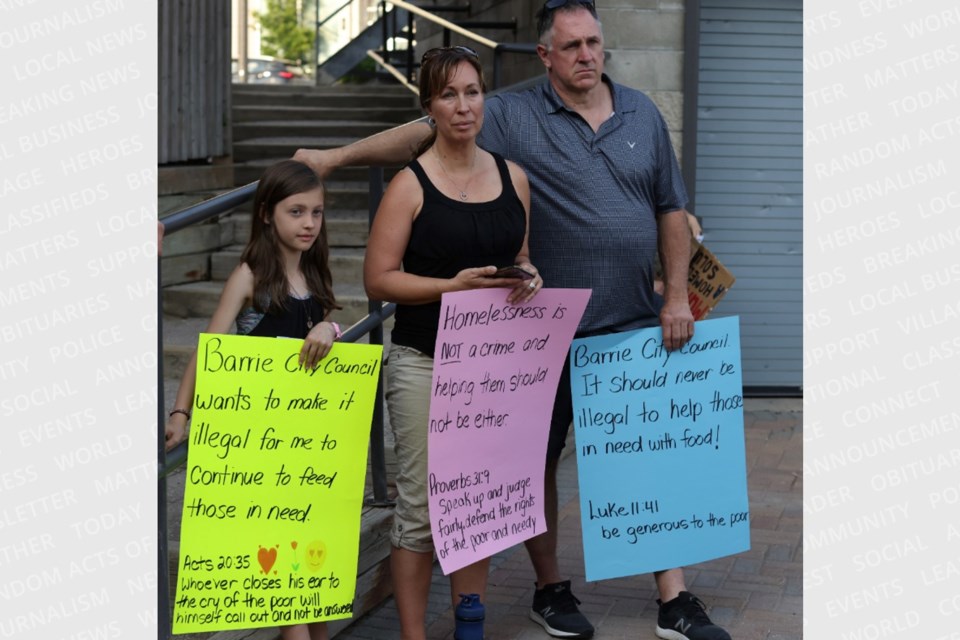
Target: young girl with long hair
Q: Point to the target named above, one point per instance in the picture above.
(282, 287)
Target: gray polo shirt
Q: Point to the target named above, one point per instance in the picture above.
(594, 196)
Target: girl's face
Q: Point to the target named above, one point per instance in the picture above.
(297, 219)
(458, 107)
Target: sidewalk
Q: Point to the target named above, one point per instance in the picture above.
(755, 595)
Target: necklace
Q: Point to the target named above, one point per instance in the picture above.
(305, 304)
(463, 191)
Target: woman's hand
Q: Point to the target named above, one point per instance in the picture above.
(525, 290)
(482, 278)
(317, 344)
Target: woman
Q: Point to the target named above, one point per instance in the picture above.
(451, 217)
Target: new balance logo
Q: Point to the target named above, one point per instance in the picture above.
(682, 627)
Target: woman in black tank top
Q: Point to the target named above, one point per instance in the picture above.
(446, 222)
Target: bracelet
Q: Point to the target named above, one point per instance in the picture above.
(183, 411)
(336, 330)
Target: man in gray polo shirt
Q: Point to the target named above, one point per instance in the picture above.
(606, 193)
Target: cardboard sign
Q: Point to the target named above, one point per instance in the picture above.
(660, 449)
(707, 281)
(495, 377)
(274, 486)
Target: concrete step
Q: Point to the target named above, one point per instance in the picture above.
(193, 178)
(172, 202)
(346, 264)
(187, 253)
(179, 342)
(371, 113)
(298, 97)
(251, 171)
(284, 147)
(307, 128)
(338, 195)
(375, 87)
(344, 228)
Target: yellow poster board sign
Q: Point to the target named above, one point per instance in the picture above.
(274, 486)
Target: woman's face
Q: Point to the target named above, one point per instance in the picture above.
(457, 107)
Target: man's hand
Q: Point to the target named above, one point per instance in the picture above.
(676, 320)
(320, 160)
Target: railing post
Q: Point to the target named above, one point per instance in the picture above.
(316, 44)
(383, 25)
(163, 558)
(410, 74)
(378, 461)
(446, 37)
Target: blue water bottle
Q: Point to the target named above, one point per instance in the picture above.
(469, 616)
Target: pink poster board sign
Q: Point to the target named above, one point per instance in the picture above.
(495, 374)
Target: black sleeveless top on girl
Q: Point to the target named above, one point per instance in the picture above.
(294, 322)
(448, 236)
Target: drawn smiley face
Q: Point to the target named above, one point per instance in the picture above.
(316, 555)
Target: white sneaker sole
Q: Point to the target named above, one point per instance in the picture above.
(670, 634)
(556, 633)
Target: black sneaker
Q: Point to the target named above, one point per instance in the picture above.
(555, 609)
(685, 618)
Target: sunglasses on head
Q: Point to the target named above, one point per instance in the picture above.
(556, 4)
(458, 49)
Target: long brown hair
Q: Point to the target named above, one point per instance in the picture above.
(436, 69)
(262, 253)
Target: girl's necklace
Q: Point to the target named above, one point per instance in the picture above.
(305, 303)
(306, 306)
(463, 191)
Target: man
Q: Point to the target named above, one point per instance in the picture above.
(606, 193)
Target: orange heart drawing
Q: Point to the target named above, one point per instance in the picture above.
(266, 558)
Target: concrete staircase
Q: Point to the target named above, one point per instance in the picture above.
(270, 124)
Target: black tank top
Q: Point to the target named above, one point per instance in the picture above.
(449, 236)
(294, 322)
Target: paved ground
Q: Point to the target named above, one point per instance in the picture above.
(756, 595)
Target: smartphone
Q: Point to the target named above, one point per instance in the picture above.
(513, 271)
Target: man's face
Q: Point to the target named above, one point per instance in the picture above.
(574, 60)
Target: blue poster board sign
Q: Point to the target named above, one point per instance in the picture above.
(660, 449)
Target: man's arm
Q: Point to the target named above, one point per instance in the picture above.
(387, 148)
(676, 319)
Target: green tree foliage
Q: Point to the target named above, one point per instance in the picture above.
(282, 34)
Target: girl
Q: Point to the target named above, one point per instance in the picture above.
(282, 287)
(451, 217)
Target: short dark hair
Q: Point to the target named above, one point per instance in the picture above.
(546, 13)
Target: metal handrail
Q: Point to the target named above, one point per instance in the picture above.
(497, 47)
(346, 4)
(423, 13)
(392, 70)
